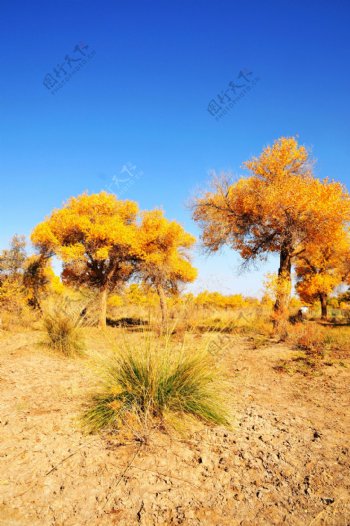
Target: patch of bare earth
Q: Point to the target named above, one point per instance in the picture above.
(285, 462)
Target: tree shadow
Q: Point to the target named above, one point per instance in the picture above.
(134, 324)
(334, 323)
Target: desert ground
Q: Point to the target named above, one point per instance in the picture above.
(285, 461)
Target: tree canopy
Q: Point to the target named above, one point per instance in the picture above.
(103, 242)
(278, 208)
(165, 262)
(96, 238)
(320, 268)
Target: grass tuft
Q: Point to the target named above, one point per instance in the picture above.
(62, 323)
(153, 382)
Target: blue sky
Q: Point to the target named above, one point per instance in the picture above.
(142, 99)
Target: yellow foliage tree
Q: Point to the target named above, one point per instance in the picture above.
(277, 209)
(218, 300)
(321, 268)
(96, 238)
(165, 262)
(140, 295)
(135, 294)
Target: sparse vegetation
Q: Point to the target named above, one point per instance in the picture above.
(62, 322)
(181, 368)
(309, 338)
(153, 381)
(317, 347)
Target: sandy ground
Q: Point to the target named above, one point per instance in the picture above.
(285, 462)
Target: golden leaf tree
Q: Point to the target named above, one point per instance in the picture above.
(95, 236)
(165, 262)
(322, 267)
(278, 208)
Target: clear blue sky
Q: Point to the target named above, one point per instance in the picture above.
(143, 98)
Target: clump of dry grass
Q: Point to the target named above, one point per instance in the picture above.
(21, 321)
(153, 382)
(309, 337)
(337, 338)
(62, 322)
(314, 338)
(243, 322)
(15, 313)
(319, 346)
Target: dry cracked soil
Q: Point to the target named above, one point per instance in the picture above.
(285, 462)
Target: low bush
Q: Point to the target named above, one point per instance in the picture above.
(310, 337)
(15, 313)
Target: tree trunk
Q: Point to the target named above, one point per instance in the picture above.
(163, 305)
(36, 302)
(103, 308)
(281, 307)
(324, 311)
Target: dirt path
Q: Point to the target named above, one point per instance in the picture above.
(286, 461)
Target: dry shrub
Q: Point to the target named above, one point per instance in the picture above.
(182, 320)
(62, 321)
(321, 346)
(24, 319)
(152, 383)
(244, 321)
(309, 337)
(259, 326)
(15, 313)
(337, 339)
